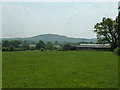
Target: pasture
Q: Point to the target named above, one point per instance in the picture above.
(60, 69)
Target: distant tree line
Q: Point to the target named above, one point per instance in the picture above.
(46, 46)
(17, 45)
(14, 45)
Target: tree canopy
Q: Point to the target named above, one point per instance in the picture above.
(40, 44)
(49, 46)
(106, 31)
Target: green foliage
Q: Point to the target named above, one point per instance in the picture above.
(49, 46)
(20, 49)
(56, 43)
(32, 48)
(40, 45)
(16, 49)
(106, 32)
(15, 43)
(59, 69)
(67, 46)
(25, 46)
(42, 49)
(3, 49)
(11, 48)
(5, 43)
(117, 51)
(7, 49)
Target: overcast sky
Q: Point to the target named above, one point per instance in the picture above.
(73, 19)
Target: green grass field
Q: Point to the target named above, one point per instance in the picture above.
(60, 69)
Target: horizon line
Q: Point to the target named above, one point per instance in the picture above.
(49, 34)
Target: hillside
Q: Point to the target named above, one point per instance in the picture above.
(53, 38)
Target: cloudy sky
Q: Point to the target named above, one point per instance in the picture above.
(73, 19)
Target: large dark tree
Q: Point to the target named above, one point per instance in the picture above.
(106, 32)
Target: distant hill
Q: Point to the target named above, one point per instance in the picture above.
(53, 38)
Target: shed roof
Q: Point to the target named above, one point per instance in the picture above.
(94, 45)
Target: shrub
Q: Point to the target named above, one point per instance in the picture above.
(42, 49)
(23, 49)
(16, 49)
(67, 46)
(3, 49)
(7, 49)
(32, 48)
(11, 48)
(20, 49)
(117, 51)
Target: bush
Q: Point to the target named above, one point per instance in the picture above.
(117, 51)
(11, 48)
(16, 49)
(42, 49)
(3, 49)
(20, 49)
(7, 49)
(32, 48)
(24, 49)
(67, 47)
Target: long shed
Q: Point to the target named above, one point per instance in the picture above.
(105, 47)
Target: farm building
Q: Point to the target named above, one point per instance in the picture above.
(32, 45)
(105, 47)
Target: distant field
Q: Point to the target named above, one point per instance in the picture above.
(60, 69)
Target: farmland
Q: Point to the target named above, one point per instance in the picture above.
(60, 69)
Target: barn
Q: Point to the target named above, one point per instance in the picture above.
(100, 47)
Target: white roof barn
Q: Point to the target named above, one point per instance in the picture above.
(32, 45)
(95, 45)
(104, 47)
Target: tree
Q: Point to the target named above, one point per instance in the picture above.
(67, 46)
(40, 45)
(3, 49)
(118, 29)
(11, 48)
(106, 32)
(7, 49)
(56, 43)
(5, 43)
(25, 46)
(15, 43)
(42, 49)
(49, 46)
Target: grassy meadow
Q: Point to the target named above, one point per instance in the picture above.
(60, 69)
